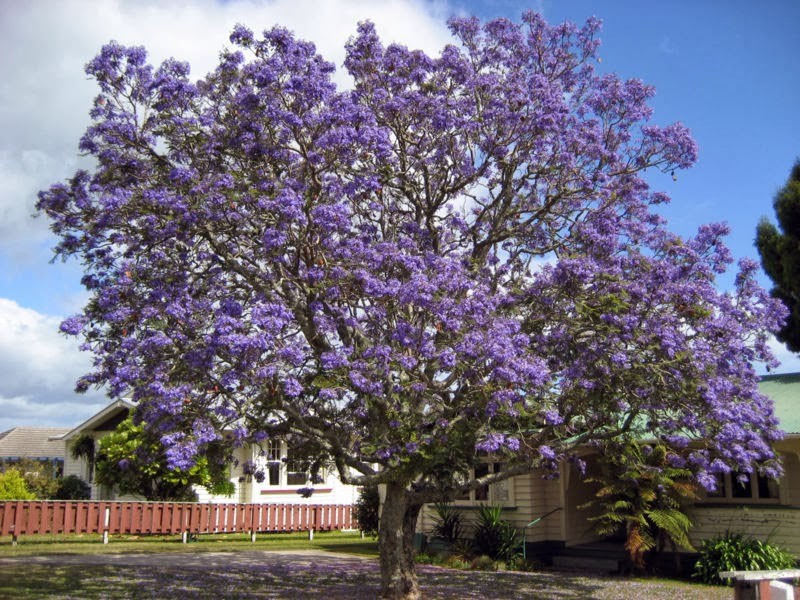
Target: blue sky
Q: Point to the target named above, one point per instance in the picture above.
(728, 70)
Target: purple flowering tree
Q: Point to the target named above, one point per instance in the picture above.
(456, 257)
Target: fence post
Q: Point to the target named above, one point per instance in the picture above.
(106, 522)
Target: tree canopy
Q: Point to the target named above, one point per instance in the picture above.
(458, 256)
(780, 255)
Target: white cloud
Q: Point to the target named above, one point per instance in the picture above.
(38, 370)
(790, 362)
(44, 102)
(45, 96)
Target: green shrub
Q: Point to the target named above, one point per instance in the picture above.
(366, 509)
(13, 487)
(495, 537)
(447, 523)
(73, 487)
(737, 552)
(462, 548)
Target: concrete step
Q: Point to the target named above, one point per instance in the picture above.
(587, 563)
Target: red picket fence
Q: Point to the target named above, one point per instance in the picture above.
(55, 517)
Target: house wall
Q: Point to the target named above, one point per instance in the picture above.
(790, 482)
(577, 492)
(530, 496)
(777, 522)
(536, 496)
(330, 491)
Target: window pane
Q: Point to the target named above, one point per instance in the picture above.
(767, 487)
(500, 489)
(274, 469)
(297, 470)
(273, 450)
(482, 493)
(740, 482)
(296, 478)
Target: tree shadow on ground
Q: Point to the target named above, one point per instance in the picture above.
(278, 575)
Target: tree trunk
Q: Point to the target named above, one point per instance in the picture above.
(396, 544)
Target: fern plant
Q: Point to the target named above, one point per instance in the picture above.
(642, 495)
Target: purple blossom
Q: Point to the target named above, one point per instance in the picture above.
(547, 453)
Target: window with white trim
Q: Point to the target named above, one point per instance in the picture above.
(500, 492)
(744, 487)
(283, 468)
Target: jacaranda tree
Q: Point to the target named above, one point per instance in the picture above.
(456, 257)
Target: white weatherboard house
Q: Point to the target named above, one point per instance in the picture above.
(281, 485)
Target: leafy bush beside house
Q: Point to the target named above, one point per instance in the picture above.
(494, 536)
(738, 552)
(73, 487)
(133, 461)
(447, 524)
(13, 486)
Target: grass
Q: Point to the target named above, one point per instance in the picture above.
(44, 545)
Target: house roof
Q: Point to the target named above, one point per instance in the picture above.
(32, 442)
(784, 391)
(105, 420)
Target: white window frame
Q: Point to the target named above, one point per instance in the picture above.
(277, 455)
(501, 493)
(725, 485)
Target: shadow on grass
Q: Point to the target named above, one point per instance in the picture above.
(365, 548)
(277, 576)
(46, 545)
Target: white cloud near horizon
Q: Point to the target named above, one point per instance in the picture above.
(790, 362)
(38, 371)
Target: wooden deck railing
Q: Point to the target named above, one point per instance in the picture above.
(59, 517)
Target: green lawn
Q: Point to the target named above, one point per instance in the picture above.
(331, 541)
